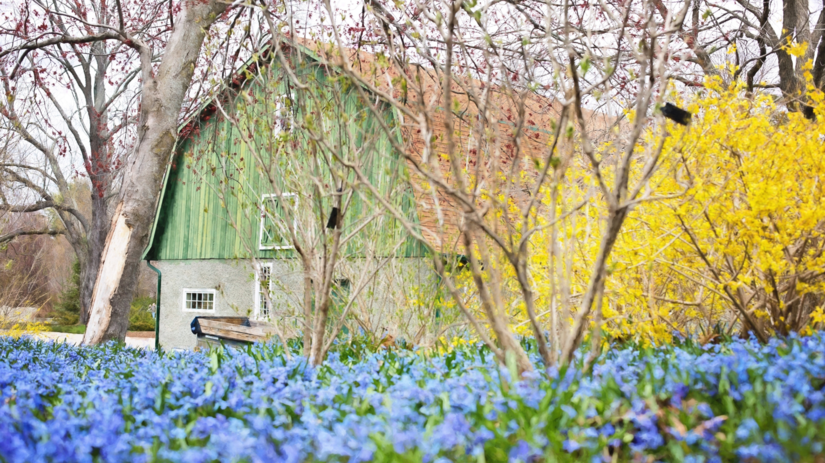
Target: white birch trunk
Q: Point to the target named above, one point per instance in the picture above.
(162, 98)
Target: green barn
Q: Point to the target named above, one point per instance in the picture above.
(259, 170)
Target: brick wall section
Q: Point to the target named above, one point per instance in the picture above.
(496, 151)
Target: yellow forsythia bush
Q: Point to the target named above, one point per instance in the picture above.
(731, 237)
(739, 240)
(731, 240)
(13, 326)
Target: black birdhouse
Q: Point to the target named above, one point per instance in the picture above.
(676, 114)
(332, 223)
(333, 218)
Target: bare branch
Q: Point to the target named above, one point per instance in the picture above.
(10, 236)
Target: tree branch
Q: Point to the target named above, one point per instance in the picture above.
(10, 236)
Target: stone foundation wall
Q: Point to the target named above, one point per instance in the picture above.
(390, 301)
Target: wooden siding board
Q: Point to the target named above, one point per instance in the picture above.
(224, 233)
(224, 236)
(240, 209)
(170, 237)
(186, 213)
(184, 186)
(209, 221)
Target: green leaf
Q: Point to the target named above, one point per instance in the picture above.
(585, 65)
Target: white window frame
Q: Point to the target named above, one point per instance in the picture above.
(213, 292)
(257, 312)
(264, 198)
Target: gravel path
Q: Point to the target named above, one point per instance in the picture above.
(76, 339)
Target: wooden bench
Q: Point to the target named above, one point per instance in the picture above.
(231, 331)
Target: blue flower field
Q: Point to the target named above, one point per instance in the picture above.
(738, 401)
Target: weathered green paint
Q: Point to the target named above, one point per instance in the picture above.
(209, 206)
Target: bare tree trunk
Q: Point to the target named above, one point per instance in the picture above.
(322, 311)
(162, 98)
(95, 242)
(307, 309)
(491, 301)
(788, 79)
(819, 42)
(595, 286)
(101, 178)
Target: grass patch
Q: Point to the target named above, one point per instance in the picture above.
(73, 329)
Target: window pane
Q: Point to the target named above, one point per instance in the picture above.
(274, 231)
(197, 300)
(271, 233)
(264, 289)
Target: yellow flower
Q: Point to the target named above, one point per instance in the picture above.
(798, 49)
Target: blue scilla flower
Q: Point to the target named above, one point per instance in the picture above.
(570, 411)
(523, 452)
(453, 431)
(816, 414)
(405, 439)
(61, 403)
(746, 429)
(571, 445)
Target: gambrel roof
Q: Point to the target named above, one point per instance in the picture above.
(436, 213)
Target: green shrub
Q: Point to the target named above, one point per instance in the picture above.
(66, 312)
(67, 309)
(141, 315)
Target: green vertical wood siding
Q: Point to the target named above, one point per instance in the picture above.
(214, 180)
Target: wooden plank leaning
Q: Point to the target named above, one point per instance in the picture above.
(233, 331)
